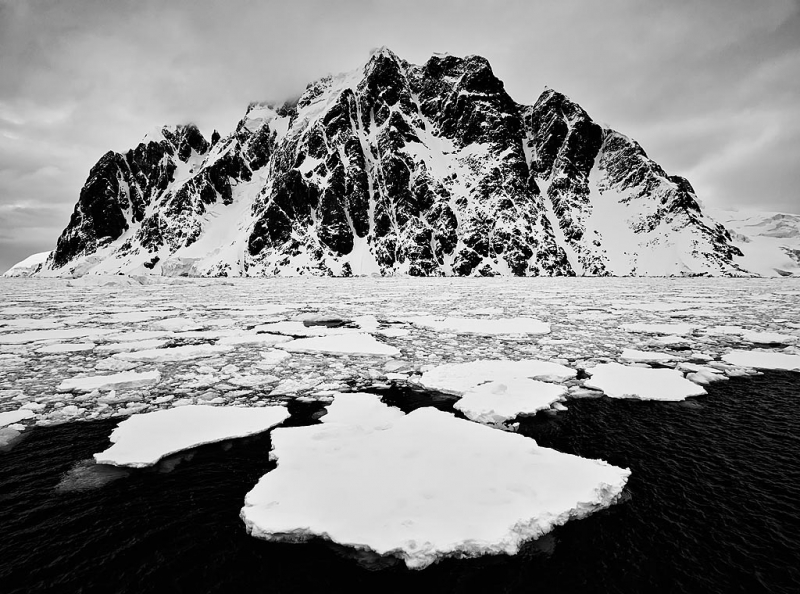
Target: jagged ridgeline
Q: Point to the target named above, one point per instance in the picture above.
(392, 169)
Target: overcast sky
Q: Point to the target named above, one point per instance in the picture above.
(710, 88)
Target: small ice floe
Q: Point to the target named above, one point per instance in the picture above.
(259, 339)
(116, 381)
(495, 403)
(645, 356)
(143, 439)
(135, 316)
(420, 486)
(341, 344)
(40, 335)
(31, 324)
(482, 325)
(763, 360)
(670, 341)
(642, 328)
(769, 338)
(643, 383)
(75, 347)
(308, 328)
(127, 347)
(274, 357)
(176, 325)
(112, 364)
(458, 378)
(178, 353)
(137, 335)
(15, 416)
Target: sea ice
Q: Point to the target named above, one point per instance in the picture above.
(74, 347)
(124, 380)
(178, 353)
(259, 339)
(127, 347)
(420, 486)
(176, 324)
(343, 344)
(458, 378)
(496, 402)
(143, 439)
(634, 355)
(768, 338)
(15, 416)
(643, 328)
(763, 360)
(622, 381)
(483, 325)
(65, 334)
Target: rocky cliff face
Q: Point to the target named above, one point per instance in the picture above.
(393, 169)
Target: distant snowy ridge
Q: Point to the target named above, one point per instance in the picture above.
(29, 266)
(769, 241)
(394, 169)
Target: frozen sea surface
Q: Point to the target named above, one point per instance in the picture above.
(66, 347)
(212, 335)
(711, 507)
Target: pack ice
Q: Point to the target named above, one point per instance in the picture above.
(420, 486)
(142, 440)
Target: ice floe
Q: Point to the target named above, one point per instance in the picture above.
(420, 486)
(68, 347)
(143, 439)
(344, 344)
(63, 334)
(128, 379)
(763, 360)
(634, 355)
(178, 353)
(15, 416)
(645, 328)
(458, 378)
(644, 383)
(495, 403)
(482, 325)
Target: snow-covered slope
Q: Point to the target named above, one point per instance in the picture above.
(769, 241)
(29, 266)
(393, 168)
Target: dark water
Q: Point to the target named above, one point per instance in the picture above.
(713, 505)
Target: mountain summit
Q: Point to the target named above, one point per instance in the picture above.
(393, 168)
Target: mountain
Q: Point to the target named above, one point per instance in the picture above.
(769, 241)
(393, 168)
(29, 266)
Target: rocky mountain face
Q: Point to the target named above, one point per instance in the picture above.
(393, 168)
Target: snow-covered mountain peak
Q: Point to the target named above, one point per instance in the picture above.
(393, 168)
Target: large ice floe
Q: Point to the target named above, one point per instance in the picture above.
(763, 360)
(420, 486)
(643, 383)
(142, 440)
